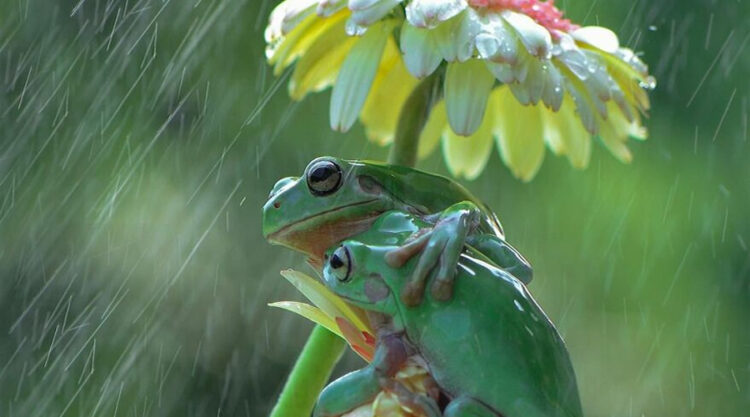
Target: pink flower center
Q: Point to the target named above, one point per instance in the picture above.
(543, 12)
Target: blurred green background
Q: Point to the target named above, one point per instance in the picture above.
(139, 139)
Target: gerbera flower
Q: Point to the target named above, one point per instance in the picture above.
(516, 72)
(350, 323)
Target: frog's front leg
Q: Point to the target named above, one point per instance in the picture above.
(468, 407)
(502, 255)
(348, 392)
(441, 246)
(361, 387)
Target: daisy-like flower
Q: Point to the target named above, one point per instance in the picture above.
(516, 73)
(350, 323)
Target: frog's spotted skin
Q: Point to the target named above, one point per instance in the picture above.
(490, 348)
(336, 199)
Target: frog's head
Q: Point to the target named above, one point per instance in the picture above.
(357, 272)
(334, 199)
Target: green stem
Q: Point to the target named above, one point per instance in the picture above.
(312, 370)
(412, 119)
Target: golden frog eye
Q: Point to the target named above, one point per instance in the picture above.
(324, 177)
(340, 264)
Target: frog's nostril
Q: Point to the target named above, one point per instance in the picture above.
(276, 204)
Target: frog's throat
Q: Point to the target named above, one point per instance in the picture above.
(315, 234)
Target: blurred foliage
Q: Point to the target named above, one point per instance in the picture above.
(139, 140)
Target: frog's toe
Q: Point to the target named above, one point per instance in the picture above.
(411, 294)
(442, 289)
(396, 258)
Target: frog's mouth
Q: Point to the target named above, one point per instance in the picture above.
(313, 235)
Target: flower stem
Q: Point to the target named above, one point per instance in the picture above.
(412, 119)
(312, 370)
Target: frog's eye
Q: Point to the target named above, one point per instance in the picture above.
(340, 264)
(324, 177)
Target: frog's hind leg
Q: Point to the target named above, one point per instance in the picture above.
(468, 407)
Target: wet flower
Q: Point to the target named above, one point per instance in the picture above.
(516, 73)
(350, 323)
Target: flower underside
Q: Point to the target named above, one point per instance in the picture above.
(516, 73)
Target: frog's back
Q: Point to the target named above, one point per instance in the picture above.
(433, 192)
(492, 342)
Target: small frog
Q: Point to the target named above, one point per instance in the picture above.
(491, 349)
(336, 199)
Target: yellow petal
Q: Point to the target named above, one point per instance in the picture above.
(389, 91)
(325, 299)
(467, 156)
(300, 39)
(309, 312)
(318, 67)
(519, 134)
(616, 146)
(433, 130)
(576, 140)
(553, 132)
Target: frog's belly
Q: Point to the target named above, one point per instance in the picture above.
(486, 359)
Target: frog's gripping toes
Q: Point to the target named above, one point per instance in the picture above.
(441, 247)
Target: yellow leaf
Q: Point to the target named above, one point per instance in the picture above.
(311, 313)
(326, 300)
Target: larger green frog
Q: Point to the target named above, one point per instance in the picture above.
(491, 348)
(336, 199)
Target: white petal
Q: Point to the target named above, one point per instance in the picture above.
(356, 75)
(329, 7)
(467, 156)
(370, 15)
(496, 42)
(583, 106)
(553, 87)
(430, 13)
(287, 15)
(519, 134)
(535, 79)
(503, 72)
(598, 37)
(572, 57)
(535, 37)
(521, 93)
(420, 51)
(467, 86)
(445, 39)
(468, 26)
(361, 4)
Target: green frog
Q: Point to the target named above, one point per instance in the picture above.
(335, 199)
(490, 348)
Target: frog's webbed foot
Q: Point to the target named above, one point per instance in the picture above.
(440, 246)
